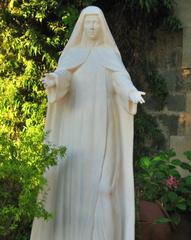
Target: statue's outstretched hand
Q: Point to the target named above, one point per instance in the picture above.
(48, 80)
(136, 97)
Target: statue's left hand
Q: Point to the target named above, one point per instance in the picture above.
(48, 80)
(136, 97)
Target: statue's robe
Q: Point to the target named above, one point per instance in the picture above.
(91, 190)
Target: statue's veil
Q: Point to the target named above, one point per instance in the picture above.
(77, 37)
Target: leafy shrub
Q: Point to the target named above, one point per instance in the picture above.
(22, 164)
(159, 179)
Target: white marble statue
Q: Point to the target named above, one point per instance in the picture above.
(91, 106)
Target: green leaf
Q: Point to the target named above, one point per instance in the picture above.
(172, 196)
(186, 166)
(157, 158)
(162, 220)
(188, 155)
(145, 162)
(188, 180)
(174, 172)
(176, 162)
(181, 206)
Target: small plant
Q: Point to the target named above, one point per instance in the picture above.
(159, 180)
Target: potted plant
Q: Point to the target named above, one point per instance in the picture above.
(164, 193)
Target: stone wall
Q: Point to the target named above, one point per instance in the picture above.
(172, 56)
(166, 54)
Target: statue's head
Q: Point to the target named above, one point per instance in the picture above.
(92, 26)
(92, 22)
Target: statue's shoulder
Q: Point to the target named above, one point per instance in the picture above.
(74, 51)
(111, 59)
(109, 52)
(72, 57)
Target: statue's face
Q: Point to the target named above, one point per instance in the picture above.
(92, 26)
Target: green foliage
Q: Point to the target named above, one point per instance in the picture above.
(160, 180)
(22, 165)
(32, 36)
(148, 138)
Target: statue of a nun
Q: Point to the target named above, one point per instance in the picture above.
(91, 106)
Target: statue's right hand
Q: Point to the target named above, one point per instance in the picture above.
(48, 80)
